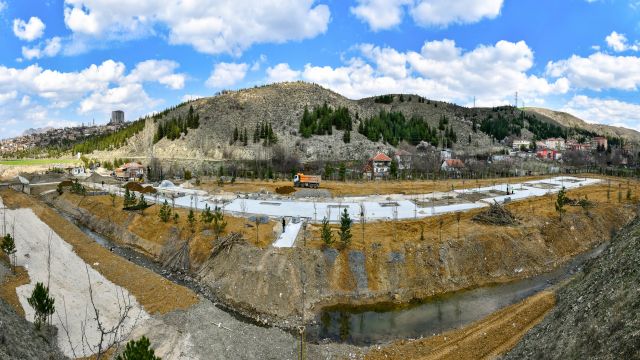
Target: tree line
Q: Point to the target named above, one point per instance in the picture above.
(322, 119)
(173, 128)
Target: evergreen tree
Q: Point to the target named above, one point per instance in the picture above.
(346, 137)
(129, 198)
(345, 229)
(42, 304)
(8, 246)
(206, 217)
(560, 202)
(393, 169)
(192, 221)
(245, 138)
(325, 233)
(235, 135)
(165, 212)
(342, 172)
(138, 350)
(219, 224)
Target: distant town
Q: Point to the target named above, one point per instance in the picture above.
(62, 136)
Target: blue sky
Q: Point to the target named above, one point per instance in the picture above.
(64, 62)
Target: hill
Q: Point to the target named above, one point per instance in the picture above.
(569, 121)
(313, 123)
(596, 315)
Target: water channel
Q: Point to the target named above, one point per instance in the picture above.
(367, 325)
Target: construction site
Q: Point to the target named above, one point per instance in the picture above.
(448, 269)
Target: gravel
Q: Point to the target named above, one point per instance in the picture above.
(596, 315)
(206, 332)
(317, 193)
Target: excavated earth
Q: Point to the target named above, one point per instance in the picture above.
(266, 283)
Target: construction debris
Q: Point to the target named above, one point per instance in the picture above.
(496, 215)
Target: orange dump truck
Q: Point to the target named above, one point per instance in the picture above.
(310, 181)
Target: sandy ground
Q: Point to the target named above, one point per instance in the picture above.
(155, 293)
(485, 339)
(68, 281)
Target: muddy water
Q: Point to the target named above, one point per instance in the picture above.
(367, 325)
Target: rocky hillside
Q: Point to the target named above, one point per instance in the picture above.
(567, 120)
(282, 106)
(596, 316)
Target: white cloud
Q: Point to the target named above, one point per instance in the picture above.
(598, 71)
(619, 42)
(210, 26)
(605, 111)
(226, 74)
(282, 72)
(37, 97)
(440, 70)
(3, 6)
(50, 48)
(5, 97)
(28, 31)
(380, 14)
(129, 97)
(385, 14)
(162, 71)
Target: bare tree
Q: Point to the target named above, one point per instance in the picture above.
(110, 337)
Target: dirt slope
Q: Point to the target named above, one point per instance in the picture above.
(570, 121)
(596, 316)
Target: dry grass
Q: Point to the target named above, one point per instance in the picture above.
(151, 228)
(485, 339)
(8, 288)
(155, 293)
(356, 188)
(393, 235)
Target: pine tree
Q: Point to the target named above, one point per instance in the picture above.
(165, 212)
(235, 135)
(42, 304)
(325, 233)
(8, 246)
(560, 202)
(129, 199)
(346, 137)
(138, 350)
(192, 221)
(345, 229)
(245, 138)
(219, 224)
(206, 217)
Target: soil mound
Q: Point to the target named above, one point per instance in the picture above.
(496, 215)
(285, 190)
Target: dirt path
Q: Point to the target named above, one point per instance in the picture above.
(153, 292)
(485, 339)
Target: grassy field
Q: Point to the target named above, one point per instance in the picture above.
(28, 162)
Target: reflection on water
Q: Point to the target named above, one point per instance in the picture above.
(370, 325)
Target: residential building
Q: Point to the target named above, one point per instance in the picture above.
(548, 154)
(404, 160)
(599, 142)
(518, 144)
(117, 117)
(555, 144)
(450, 165)
(378, 167)
(446, 154)
(130, 171)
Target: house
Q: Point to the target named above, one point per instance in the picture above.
(404, 160)
(548, 154)
(378, 167)
(76, 171)
(519, 144)
(452, 165)
(599, 142)
(554, 144)
(576, 146)
(130, 171)
(446, 154)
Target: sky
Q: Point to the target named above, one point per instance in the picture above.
(68, 62)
